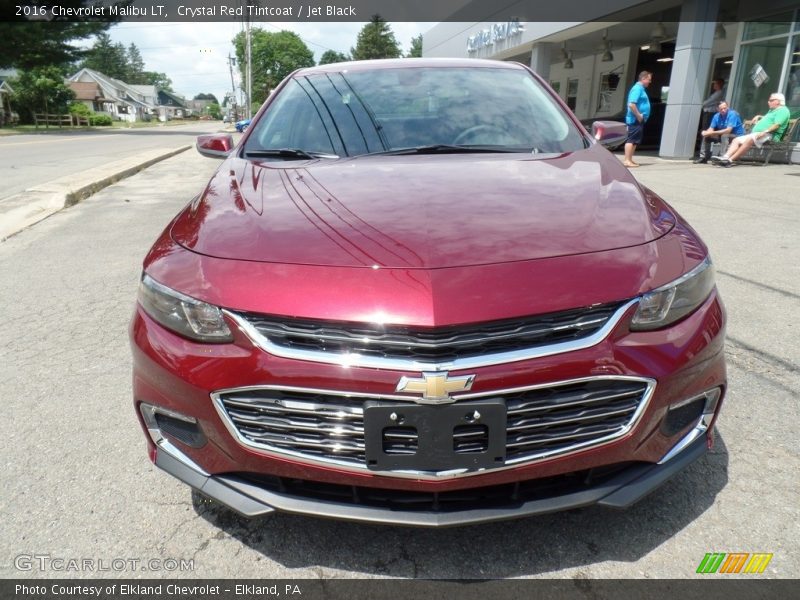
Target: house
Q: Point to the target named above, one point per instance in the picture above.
(115, 98)
(171, 106)
(199, 107)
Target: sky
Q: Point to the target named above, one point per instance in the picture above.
(195, 55)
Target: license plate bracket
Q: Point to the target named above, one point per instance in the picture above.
(463, 435)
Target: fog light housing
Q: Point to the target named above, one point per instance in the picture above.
(698, 410)
(162, 422)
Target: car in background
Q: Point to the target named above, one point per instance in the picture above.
(419, 292)
(241, 126)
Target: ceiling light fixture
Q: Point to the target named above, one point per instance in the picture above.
(568, 63)
(607, 55)
(658, 32)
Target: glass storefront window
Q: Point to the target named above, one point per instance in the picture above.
(758, 75)
(776, 25)
(792, 90)
(572, 94)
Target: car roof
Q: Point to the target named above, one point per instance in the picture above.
(397, 63)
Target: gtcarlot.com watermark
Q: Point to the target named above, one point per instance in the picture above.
(47, 563)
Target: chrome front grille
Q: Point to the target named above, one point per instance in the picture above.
(427, 345)
(328, 428)
(297, 423)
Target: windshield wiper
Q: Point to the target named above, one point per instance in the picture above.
(452, 149)
(288, 153)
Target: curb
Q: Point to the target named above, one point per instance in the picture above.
(23, 210)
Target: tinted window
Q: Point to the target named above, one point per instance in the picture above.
(359, 112)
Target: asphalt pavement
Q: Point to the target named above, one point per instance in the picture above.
(45, 172)
(78, 484)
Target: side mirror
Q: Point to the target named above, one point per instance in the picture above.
(218, 145)
(610, 134)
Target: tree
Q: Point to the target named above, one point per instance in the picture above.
(416, 47)
(214, 110)
(160, 80)
(376, 40)
(331, 56)
(41, 90)
(211, 97)
(135, 66)
(29, 44)
(275, 55)
(107, 57)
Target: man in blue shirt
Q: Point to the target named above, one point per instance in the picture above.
(637, 115)
(724, 124)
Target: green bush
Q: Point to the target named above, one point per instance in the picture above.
(95, 120)
(79, 109)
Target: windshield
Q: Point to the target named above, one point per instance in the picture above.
(418, 108)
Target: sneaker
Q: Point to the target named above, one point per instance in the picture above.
(700, 161)
(727, 163)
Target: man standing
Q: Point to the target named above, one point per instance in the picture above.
(637, 115)
(771, 126)
(710, 104)
(726, 122)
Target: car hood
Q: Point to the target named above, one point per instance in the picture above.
(431, 211)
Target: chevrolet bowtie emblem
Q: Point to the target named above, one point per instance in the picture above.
(435, 387)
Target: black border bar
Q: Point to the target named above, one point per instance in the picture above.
(472, 11)
(711, 587)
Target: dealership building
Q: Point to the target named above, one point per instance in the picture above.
(754, 45)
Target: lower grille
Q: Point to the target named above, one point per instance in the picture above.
(482, 498)
(541, 421)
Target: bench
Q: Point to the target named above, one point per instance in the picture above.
(773, 149)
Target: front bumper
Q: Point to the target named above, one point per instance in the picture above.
(622, 490)
(179, 376)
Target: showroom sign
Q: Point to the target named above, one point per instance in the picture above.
(496, 33)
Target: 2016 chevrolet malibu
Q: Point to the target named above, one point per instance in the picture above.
(419, 292)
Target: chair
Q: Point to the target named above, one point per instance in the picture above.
(773, 148)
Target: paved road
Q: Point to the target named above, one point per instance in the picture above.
(32, 159)
(77, 483)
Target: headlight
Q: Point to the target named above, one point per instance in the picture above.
(667, 304)
(184, 315)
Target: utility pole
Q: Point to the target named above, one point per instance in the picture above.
(231, 63)
(249, 109)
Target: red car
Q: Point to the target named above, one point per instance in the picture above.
(418, 292)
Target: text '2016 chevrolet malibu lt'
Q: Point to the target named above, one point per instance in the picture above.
(418, 292)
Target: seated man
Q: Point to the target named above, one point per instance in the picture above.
(724, 123)
(771, 126)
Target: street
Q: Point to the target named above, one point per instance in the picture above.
(79, 485)
(33, 159)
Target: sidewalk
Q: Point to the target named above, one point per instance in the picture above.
(39, 202)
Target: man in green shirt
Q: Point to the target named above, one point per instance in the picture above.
(771, 126)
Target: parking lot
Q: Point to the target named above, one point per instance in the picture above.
(78, 483)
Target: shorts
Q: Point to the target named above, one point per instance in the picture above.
(759, 139)
(635, 133)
